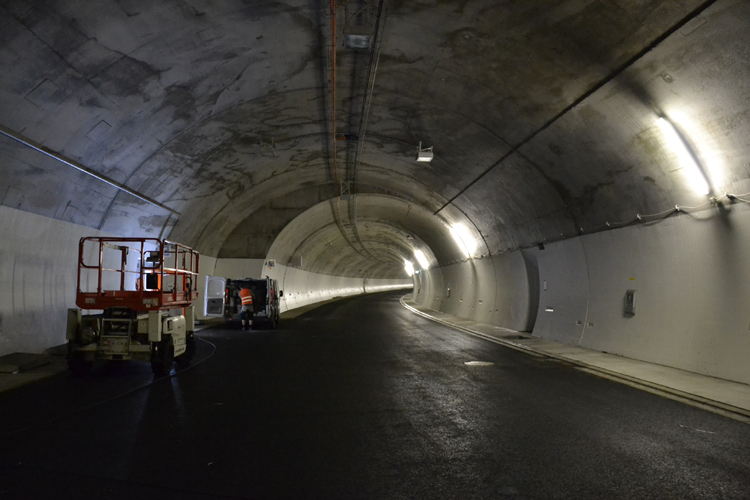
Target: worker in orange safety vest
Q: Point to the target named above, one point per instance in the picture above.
(246, 296)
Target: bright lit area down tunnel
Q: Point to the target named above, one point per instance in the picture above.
(534, 165)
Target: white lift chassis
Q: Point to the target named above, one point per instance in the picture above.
(139, 293)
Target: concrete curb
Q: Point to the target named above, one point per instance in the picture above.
(724, 409)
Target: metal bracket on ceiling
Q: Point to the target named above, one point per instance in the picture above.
(358, 35)
(345, 190)
(366, 5)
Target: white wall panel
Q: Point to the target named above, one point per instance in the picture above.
(564, 291)
(38, 273)
(491, 290)
(428, 288)
(38, 277)
(462, 281)
(691, 280)
(302, 288)
(512, 306)
(691, 275)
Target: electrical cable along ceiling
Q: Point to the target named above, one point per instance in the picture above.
(220, 124)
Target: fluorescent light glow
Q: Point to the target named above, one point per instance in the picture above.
(710, 152)
(692, 170)
(422, 259)
(466, 241)
(424, 154)
(409, 267)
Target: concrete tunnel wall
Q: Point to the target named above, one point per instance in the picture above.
(690, 273)
(540, 140)
(301, 287)
(38, 266)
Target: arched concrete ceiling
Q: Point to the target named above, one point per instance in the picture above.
(215, 122)
(388, 231)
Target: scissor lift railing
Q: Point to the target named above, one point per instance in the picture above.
(163, 276)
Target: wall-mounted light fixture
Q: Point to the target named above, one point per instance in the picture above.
(676, 141)
(465, 240)
(425, 154)
(422, 259)
(409, 267)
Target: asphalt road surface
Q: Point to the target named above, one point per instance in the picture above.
(361, 399)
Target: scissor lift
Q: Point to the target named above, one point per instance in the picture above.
(138, 294)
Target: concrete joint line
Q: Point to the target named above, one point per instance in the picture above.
(591, 91)
(726, 410)
(81, 168)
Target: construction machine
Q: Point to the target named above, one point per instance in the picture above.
(137, 294)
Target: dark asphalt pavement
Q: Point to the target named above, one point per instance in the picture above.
(361, 399)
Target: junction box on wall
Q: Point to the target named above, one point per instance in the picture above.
(630, 303)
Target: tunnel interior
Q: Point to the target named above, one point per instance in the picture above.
(580, 151)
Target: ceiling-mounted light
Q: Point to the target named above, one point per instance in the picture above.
(409, 267)
(694, 172)
(357, 37)
(424, 154)
(422, 259)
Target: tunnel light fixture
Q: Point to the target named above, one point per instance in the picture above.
(409, 267)
(422, 259)
(465, 240)
(693, 171)
(357, 37)
(425, 154)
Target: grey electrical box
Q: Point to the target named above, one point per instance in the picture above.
(630, 302)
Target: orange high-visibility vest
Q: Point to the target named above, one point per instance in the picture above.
(246, 296)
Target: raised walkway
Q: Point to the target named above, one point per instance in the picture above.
(731, 399)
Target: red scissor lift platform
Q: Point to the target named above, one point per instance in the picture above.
(140, 274)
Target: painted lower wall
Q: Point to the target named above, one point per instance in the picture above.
(691, 276)
(302, 288)
(38, 275)
(38, 278)
(495, 290)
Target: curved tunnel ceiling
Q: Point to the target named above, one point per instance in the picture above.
(232, 121)
(389, 231)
